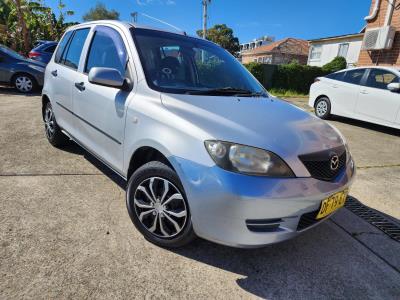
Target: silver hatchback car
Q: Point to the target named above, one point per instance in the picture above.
(206, 151)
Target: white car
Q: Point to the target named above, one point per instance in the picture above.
(369, 94)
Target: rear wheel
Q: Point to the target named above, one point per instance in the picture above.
(52, 130)
(158, 207)
(24, 83)
(323, 108)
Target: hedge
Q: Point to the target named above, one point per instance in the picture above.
(293, 76)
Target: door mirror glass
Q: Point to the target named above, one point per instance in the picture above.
(393, 87)
(106, 76)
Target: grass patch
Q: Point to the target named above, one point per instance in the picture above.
(286, 93)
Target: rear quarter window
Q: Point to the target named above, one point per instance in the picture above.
(61, 48)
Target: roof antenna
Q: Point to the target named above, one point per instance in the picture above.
(163, 22)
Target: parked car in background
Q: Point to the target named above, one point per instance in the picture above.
(26, 75)
(40, 42)
(205, 150)
(43, 51)
(369, 94)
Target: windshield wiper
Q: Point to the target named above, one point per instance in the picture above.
(224, 91)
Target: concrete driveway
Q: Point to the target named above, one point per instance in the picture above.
(65, 231)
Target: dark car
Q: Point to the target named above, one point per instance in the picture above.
(25, 74)
(43, 51)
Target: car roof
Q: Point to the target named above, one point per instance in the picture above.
(393, 69)
(129, 25)
(125, 24)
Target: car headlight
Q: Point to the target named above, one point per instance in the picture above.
(247, 160)
(37, 68)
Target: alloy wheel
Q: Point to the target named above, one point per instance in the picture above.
(321, 108)
(49, 122)
(160, 207)
(23, 84)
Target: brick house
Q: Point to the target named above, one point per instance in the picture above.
(279, 52)
(378, 17)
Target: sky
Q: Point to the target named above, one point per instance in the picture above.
(249, 19)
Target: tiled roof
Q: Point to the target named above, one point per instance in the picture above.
(288, 46)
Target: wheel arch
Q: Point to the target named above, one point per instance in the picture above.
(143, 155)
(45, 100)
(321, 96)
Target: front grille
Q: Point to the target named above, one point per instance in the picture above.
(318, 164)
(307, 220)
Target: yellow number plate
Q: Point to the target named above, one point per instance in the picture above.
(334, 202)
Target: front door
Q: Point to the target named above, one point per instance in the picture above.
(375, 100)
(101, 110)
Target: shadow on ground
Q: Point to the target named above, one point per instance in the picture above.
(7, 90)
(367, 125)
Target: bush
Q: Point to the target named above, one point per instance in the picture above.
(295, 77)
(256, 69)
(337, 64)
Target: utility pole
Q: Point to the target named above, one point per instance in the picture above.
(134, 16)
(205, 3)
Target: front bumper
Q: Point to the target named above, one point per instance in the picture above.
(222, 201)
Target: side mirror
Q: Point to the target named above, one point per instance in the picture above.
(107, 77)
(393, 87)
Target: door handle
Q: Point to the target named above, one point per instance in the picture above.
(335, 86)
(80, 86)
(54, 73)
(364, 92)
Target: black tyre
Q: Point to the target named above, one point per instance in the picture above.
(158, 207)
(24, 83)
(52, 130)
(323, 108)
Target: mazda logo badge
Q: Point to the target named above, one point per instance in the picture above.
(334, 162)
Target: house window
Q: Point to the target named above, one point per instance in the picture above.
(316, 52)
(343, 48)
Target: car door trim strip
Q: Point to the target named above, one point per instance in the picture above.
(90, 124)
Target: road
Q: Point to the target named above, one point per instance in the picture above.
(65, 231)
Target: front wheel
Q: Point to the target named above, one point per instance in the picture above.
(323, 108)
(158, 207)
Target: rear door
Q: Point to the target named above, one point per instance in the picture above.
(101, 109)
(345, 90)
(62, 74)
(375, 100)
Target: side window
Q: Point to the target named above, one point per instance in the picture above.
(379, 78)
(62, 45)
(343, 49)
(316, 51)
(107, 50)
(50, 49)
(353, 76)
(336, 76)
(74, 50)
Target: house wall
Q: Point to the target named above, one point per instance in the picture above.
(274, 58)
(383, 57)
(330, 50)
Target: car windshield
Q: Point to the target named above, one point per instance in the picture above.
(11, 52)
(176, 63)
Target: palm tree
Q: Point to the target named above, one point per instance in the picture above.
(22, 24)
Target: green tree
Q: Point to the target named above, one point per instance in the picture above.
(23, 22)
(100, 12)
(223, 36)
